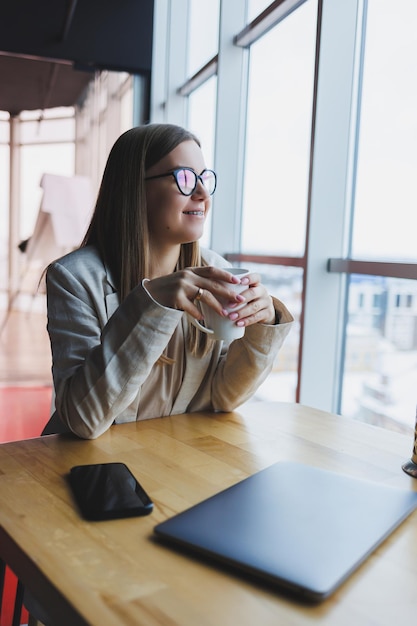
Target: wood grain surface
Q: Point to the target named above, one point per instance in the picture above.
(115, 573)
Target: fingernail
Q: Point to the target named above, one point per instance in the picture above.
(240, 323)
(245, 280)
(225, 312)
(233, 316)
(240, 298)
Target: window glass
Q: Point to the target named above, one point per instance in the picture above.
(277, 151)
(285, 283)
(4, 189)
(386, 189)
(4, 131)
(255, 7)
(47, 113)
(47, 130)
(4, 214)
(203, 33)
(126, 109)
(380, 372)
(201, 121)
(36, 161)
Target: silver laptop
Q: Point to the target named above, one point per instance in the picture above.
(300, 528)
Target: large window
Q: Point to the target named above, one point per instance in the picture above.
(316, 132)
(47, 148)
(4, 197)
(386, 190)
(278, 129)
(109, 109)
(380, 366)
(43, 143)
(277, 161)
(64, 142)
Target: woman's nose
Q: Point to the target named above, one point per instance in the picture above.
(200, 191)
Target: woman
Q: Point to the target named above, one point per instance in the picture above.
(122, 347)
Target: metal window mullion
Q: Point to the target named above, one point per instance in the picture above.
(388, 269)
(270, 17)
(322, 345)
(199, 78)
(14, 207)
(160, 43)
(170, 44)
(229, 133)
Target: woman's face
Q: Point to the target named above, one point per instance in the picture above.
(172, 217)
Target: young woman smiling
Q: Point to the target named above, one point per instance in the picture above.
(123, 348)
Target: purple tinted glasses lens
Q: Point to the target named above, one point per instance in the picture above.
(187, 180)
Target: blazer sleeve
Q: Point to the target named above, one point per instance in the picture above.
(242, 366)
(98, 364)
(237, 370)
(247, 363)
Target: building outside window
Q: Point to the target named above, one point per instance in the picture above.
(385, 204)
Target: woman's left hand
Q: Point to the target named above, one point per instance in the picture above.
(258, 306)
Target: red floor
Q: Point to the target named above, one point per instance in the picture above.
(24, 411)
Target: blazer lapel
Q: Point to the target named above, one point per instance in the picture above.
(112, 303)
(112, 298)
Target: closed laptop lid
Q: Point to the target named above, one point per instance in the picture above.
(303, 528)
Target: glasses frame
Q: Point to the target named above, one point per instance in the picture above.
(198, 177)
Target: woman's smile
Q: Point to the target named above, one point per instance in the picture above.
(198, 213)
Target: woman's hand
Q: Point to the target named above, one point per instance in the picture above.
(182, 289)
(258, 307)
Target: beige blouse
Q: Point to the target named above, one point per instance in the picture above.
(160, 389)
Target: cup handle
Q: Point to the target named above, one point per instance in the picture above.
(197, 324)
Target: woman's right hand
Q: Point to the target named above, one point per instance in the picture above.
(181, 289)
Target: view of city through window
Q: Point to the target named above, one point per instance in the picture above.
(381, 334)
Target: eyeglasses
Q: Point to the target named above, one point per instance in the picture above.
(187, 180)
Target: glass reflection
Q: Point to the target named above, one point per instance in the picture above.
(380, 366)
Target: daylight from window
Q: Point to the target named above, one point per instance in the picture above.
(380, 369)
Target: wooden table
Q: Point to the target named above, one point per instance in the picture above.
(113, 573)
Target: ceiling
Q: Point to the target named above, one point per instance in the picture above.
(50, 49)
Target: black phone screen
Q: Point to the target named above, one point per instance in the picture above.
(108, 491)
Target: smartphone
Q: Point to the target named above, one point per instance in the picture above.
(108, 491)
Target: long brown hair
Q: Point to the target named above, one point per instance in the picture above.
(119, 225)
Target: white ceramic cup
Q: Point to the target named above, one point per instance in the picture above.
(217, 326)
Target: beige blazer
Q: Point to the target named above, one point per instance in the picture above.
(103, 351)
